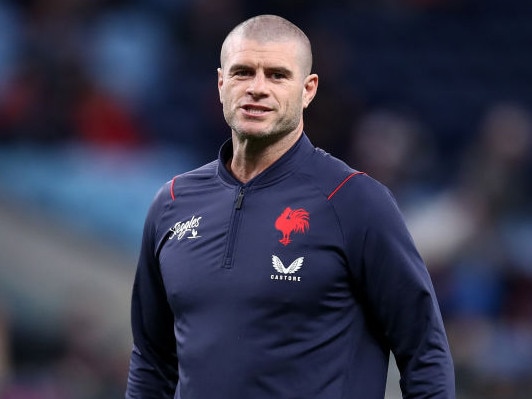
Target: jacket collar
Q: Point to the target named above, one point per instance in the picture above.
(289, 162)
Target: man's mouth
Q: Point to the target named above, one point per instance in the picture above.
(255, 110)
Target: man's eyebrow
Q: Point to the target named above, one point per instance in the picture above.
(282, 70)
(273, 69)
(236, 67)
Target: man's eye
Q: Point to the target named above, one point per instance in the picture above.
(278, 76)
(242, 73)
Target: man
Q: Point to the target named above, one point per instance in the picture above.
(278, 271)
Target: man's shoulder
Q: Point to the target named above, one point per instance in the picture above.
(355, 195)
(206, 171)
(170, 189)
(336, 178)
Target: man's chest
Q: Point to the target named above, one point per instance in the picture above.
(267, 251)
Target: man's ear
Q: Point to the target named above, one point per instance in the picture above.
(220, 82)
(310, 87)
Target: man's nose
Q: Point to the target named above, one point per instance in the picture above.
(257, 86)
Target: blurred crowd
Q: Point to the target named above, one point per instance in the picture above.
(431, 97)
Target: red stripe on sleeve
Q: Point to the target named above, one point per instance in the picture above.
(172, 188)
(342, 183)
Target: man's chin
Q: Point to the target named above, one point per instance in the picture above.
(253, 134)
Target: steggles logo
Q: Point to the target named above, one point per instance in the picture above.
(180, 229)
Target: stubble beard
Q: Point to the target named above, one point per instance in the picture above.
(269, 134)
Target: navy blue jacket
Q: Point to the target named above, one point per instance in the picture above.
(295, 285)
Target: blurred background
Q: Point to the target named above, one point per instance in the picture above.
(102, 101)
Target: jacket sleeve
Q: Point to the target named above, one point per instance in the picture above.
(398, 294)
(153, 364)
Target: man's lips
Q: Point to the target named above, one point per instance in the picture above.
(255, 109)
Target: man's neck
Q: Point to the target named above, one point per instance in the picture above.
(252, 157)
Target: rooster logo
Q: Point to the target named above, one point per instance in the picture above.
(290, 221)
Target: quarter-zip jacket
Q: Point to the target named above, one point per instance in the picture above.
(295, 285)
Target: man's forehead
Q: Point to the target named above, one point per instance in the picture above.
(241, 43)
(242, 49)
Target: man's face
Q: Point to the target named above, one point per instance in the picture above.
(263, 88)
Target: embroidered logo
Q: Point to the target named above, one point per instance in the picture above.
(181, 229)
(286, 273)
(292, 221)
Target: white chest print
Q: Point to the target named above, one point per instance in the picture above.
(286, 273)
(181, 229)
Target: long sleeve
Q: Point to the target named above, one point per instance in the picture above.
(398, 292)
(153, 366)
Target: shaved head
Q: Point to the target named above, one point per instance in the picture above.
(270, 28)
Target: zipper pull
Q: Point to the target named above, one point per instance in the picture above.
(239, 199)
